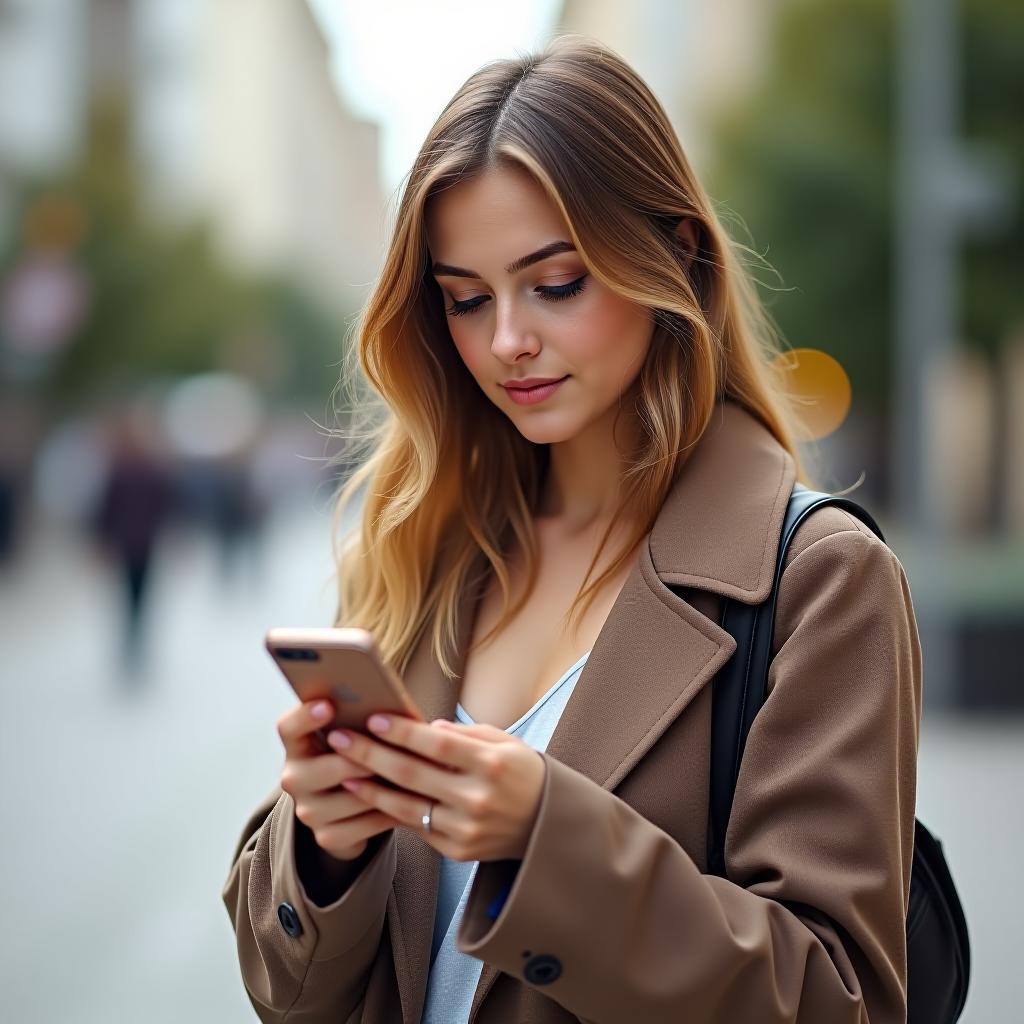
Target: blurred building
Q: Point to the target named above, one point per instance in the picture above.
(238, 116)
(236, 119)
(699, 58)
(40, 56)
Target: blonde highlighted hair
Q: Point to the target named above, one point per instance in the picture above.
(448, 483)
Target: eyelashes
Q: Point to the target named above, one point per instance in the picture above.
(553, 293)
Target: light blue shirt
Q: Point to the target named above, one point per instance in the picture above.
(453, 974)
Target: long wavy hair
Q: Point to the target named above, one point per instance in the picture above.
(448, 483)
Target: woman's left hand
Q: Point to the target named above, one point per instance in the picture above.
(487, 785)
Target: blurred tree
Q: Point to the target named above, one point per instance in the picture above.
(160, 303)
(993, 56)
(809, 164)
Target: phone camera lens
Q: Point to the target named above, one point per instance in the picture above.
(298, 654)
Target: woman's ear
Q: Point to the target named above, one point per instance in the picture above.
(686, 232)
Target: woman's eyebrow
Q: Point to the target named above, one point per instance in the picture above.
(551, 249)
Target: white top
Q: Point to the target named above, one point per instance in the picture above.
(454, 974)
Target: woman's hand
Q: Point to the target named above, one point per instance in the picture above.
(340, 822)
(487, 785)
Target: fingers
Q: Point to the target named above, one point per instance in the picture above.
(297, 725)
(341, 824)
(309, 775)
(478, 730)
(337, 808)
(340, 821)
(339, 836)
(450, 746)
(403, 807)
(406, 771)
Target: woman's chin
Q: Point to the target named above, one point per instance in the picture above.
(544, 433)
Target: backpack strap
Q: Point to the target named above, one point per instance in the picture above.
(739, 688)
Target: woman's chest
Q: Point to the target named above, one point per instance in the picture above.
(503, 679)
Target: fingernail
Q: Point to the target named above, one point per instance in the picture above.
(339, 739)
(378, 723)
(321, 710)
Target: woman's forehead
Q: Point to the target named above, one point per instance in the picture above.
(498, 214)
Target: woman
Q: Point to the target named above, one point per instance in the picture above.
(543, 856)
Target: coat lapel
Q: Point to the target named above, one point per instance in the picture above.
(718, 530)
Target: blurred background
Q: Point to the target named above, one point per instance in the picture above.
(194, 200)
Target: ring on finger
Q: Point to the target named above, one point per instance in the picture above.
(385, 796)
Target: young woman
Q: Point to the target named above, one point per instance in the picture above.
(581, 412)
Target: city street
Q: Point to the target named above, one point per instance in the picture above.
(122, 803)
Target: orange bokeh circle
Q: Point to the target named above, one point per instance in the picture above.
(818, 388)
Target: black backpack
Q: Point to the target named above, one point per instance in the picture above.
(938, 948)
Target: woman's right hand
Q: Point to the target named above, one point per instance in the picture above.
(340, 822)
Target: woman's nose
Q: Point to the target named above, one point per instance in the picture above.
(513, 336)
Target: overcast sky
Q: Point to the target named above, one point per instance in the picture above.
(398, 62)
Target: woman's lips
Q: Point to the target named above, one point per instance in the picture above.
(531, 396)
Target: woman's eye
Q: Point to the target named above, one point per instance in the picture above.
(563, 291)
(467, 306)
(553, 293)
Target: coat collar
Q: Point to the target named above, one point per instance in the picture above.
(721, 522)
(718, 530)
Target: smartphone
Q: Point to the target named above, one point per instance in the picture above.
(344, 665)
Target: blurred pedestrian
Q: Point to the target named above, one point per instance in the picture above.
(135, 504)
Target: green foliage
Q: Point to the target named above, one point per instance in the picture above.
(808, 163)
(993, 55)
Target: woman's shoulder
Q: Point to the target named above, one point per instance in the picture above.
(836, 566)
(834, 529)
(845, 608)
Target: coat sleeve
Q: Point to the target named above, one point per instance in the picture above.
(316, 975)
(809, 926)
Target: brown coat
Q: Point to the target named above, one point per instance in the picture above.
(809, 927)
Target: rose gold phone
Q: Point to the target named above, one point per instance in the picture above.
(345, 666)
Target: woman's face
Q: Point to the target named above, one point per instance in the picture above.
(549, 318)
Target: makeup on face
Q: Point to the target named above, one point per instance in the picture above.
(521, 303)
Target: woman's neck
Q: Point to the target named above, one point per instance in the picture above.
(583, 484)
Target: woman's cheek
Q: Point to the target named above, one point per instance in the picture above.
(470, 354)
(622, 340)
(461, 345)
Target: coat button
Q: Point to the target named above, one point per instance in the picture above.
(289, 920)
(542, 970)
